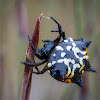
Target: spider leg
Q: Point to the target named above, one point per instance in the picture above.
(34, 64)
(42, 71)
(34, 49)
(56, 41)
(62, 33)
(39, 51)
(54, 31)
(46, 41)
(37, 68)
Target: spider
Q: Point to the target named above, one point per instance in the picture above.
(66, 60)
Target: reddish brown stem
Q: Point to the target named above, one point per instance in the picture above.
(26, 83)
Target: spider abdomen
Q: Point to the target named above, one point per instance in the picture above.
(68, 61)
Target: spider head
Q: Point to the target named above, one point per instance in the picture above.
(47, 48)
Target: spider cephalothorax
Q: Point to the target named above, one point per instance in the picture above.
(66, 60)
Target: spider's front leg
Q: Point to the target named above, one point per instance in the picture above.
(62, 33)
(34, 64)
(34, 49)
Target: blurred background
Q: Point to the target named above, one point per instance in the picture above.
(79, 18)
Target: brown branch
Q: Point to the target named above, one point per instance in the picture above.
(26, 83)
